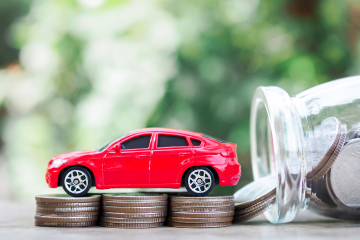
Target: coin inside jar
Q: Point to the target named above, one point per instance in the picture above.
(344, 176)
(322, 145)
(327, 165)
(354, 133)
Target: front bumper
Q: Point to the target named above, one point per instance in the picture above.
(52, 178)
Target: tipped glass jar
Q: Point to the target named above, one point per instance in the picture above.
(311, 143)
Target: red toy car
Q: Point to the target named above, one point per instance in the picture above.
(149, 158)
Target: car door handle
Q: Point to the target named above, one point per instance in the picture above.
(183, 154)
(140, 156)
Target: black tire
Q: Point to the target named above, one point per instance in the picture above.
(205, 188)
(77, 170)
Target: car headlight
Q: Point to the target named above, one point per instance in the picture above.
(57, 163)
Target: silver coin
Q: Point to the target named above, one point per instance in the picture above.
(354, 133)
(134, 215)
(134, 196)
(133, 220)
(330, 191)
(345, 174)
(67, 204)
(253, 214)
(135, 209)
(135, 203)
(42, 218)
(319, 149)
(67, 198)
(75, 209)
(255, 192)
(332, 158)
(255, 206)
(67, 225)
(131, 225)
(202, 209)
(201, 199)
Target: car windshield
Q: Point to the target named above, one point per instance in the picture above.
(212, 138)
(104, 147)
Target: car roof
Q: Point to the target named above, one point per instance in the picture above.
(167, 130)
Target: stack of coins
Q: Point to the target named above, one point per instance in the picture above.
(61, 210)
(134, 210)
(201, 212)
(255, 199)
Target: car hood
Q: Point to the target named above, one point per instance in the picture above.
(73, 155)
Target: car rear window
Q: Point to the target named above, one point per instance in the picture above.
(195, 142)
(171, 141)
(212, 138)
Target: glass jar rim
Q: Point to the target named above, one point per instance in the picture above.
(287, 145)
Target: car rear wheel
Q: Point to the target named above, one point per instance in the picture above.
(76, 181)
(199, 181)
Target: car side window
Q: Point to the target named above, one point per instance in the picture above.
(195, 142)
(171, 141)
(137, 142)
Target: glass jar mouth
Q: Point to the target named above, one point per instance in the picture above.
(277, 147)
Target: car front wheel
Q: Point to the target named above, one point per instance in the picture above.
(199, 181)
(76, 181)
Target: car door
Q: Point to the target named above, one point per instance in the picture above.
(129, 165)
(170, 153)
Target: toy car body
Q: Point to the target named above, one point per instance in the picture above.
(149, 158)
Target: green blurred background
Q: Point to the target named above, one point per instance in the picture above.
(76, 74)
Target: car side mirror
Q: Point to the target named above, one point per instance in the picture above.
(116, 148)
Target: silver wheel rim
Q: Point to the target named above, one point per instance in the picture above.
(199, 181)
(76, 181)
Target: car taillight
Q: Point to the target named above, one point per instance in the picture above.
(232, 154)
(224, 154)
(231, 150)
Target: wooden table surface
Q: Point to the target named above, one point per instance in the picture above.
(17, 222)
